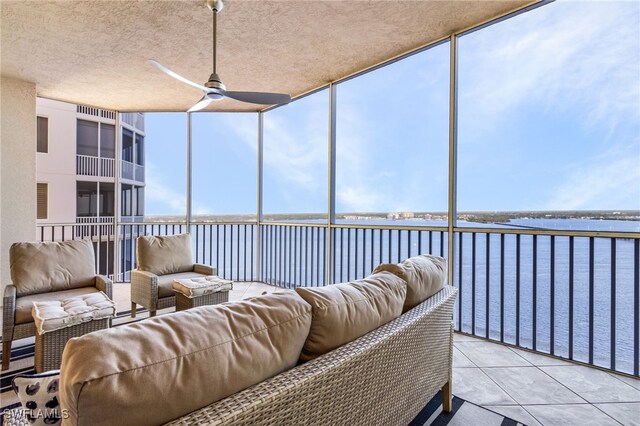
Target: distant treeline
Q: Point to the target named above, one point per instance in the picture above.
(480, 216)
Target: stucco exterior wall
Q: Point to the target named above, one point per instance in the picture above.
(57, 167)
(17, 167)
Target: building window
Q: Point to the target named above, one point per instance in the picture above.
(43, 134)
(107, 141)
(86, 199)
(42, 200)
(127, 145)
(126, 200)
(139, 149)
(106, 198)
(87, 138)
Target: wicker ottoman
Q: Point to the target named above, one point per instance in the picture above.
(58, 321)
(192, 292)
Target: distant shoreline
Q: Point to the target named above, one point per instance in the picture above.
(478, 217)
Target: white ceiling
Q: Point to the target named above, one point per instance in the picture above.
(95, 52)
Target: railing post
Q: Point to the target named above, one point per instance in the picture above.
(453, 147)
(189, 174)
(259, 213)
(331, 149)
(116, 203)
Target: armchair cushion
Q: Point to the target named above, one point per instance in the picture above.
(51, 266)
(25, 304)
(166, 254)
(425, 276)
(165, 282)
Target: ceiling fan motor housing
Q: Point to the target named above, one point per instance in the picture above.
(215, 82)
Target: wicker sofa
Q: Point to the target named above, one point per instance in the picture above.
(382, 378)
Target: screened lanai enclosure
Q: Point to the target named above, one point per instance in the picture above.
(511, 148)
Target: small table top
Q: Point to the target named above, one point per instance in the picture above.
(57, 314)
(194, 287)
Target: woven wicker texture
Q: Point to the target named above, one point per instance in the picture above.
(183, 302)
(382, 378)
(49, 346)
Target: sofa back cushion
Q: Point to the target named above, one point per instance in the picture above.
(165, 367)
(344, 312)
(166, 254)
(425, 276)
(51, 266)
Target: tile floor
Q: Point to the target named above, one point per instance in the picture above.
(539, 390)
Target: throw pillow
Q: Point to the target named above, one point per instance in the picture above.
(38, 394)
(425, 276)
(344, 312)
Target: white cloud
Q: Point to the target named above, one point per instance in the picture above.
(609, 181)
(562, 54)
(168, 200)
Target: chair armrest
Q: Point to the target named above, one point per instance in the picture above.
(144, 288)
(8, 312)
(105, 285)
(204, 269)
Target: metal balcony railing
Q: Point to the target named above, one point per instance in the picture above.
(571, 294)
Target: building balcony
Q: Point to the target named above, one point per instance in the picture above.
(88, 165)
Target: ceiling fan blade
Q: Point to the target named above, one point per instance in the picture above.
(176, 76)
(259, 97)
(202, 103)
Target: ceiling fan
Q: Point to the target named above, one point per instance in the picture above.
(214, 89)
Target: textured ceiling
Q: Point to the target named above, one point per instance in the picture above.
(96, 52)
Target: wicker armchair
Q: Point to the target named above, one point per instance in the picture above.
(161, 260)
(45, 272)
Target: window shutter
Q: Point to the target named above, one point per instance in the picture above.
(43, 200)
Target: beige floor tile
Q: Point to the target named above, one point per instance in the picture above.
(457, 337)
(460, 360)
(570, 415)
(529, 385)
(472, 385)
(627, 413)
(514, 412)
(540, 360)
(593, 385)
(487, 354)
(628, 380)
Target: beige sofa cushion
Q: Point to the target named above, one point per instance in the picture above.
(165, 367)
(425, 276)
(166, 254)
(24, 305)
(51, 266)
(344, 312)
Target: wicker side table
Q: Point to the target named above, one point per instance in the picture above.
(49, 346)
(193, 292)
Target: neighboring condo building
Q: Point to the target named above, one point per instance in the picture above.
(76, 172)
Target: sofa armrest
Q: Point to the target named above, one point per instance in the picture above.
(144, 288)
(105, 285)
(204, 269)
(8, 312)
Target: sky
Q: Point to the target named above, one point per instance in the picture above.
(548, 119)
